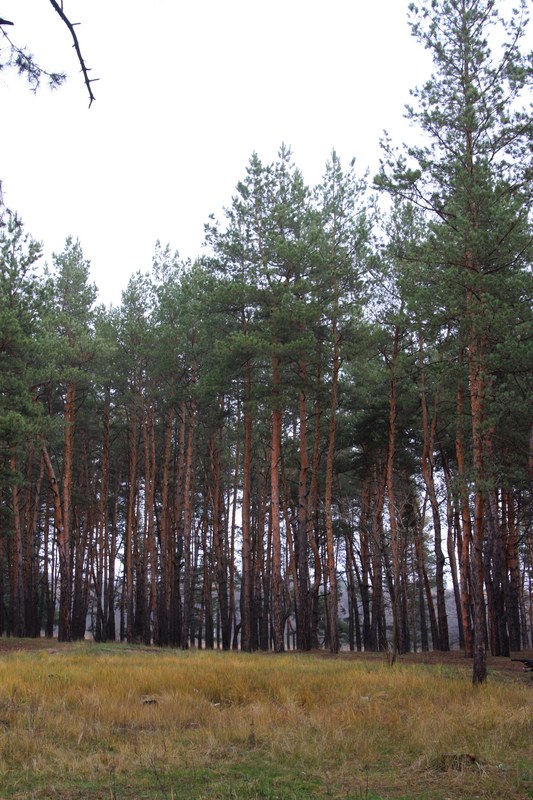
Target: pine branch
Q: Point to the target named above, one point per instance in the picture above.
(85, 70)
(26, 65)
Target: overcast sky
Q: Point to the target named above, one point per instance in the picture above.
(187, 91)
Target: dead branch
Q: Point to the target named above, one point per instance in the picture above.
(85, 70)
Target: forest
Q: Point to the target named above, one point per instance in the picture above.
(320, 433)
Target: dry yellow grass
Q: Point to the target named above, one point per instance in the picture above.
(94, 721)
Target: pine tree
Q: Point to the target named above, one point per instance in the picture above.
(474, 181)
(20, 292)
(67, 355)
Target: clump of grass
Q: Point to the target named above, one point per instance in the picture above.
(102, 717)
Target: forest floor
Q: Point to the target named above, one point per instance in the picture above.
(512, 667)
(495, 664)
(118, 722)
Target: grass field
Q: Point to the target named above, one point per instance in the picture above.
(95, 721)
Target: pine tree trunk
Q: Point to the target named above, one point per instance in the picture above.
(265, 561)
(427, 472)
(278, 616)
(65, 564)
(398, 645)
(113, 547)
(176, 544)
(64, 557)
(206, 588)
(303, 632)
(464, 561)
(453, 543)
(425, 588)
(219, 542)
(355, 640)
(330, 544)
(365, 557)
(131, 522)
(513, 567)
(102, 556)
(17, 567)
(313, 501)
(498, 576)
(187, 531)
(476, 405)
(151, 623)
(262, 563)
(163, 594)
(247, 565)
(48, 568)
(378, 627)
(232, 613)
(30, 549)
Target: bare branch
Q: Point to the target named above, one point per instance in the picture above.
(85, 70)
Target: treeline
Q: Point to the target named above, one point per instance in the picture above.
(313, 434)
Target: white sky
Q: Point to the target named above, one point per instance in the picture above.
(187, 91)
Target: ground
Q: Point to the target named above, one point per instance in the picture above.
(119, 721)
(497, 664)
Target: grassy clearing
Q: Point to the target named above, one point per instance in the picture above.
(114, 722)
